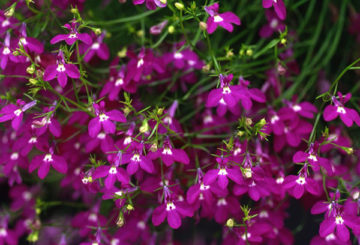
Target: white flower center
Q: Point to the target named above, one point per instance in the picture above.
(339, 220)
(313, 157)
(218, 19)
(208, 119)
(112, 170)
(77, 145)
(77, 171)
(252, 184)
(23, 41)
(340, 110)
(135, 158)
(246, 236)
(18, 112)
(60, 68)
(296, 107)
(85, 180)
(274, 119)
(48, 158)
(6, 51)
(356, 195)
(140, 63)
(221, 202)
(127, 140)
(273, 24)
(101, 135)
(14, 156)
(264, 214)
(119, 82)
(279, 180)
(226, 90)
(170, 206)
(3, 232)
(191, 62)
(167, 151)
(32, 140)
(168, 120)
(103, 117)
(95, 46)
(247, 172)
(237, 151)
(119, 193)
(73, 35)
(5, 23)
(204, 187)
(141, 225)
(27, 196)
(178, 56)
(222, 101)
(301, 180)
(222, 171)
(93, 217)
(330, 237)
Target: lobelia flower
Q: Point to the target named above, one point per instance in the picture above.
(112, 173)
(157, 29)
(136, 159)
(313, 159)
(222, 174)
(224, 208)
(98, 47)
(61, 71)
(103, 120)
(279, 7)
(172, 210)
(47, 122)
(103, 140)
(304, 109)
(274, 24)
(169, 155)
(44, 161)
(5, 53)
(29, 43)
(227, 96)
(72, 36)
(15, 112)
(225, 20)
(85, 220)
(151, 4)
(247, 95)
(169, 122)
(7, 236)
(347, 115)
(296, 185)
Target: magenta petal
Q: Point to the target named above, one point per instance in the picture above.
(85, 38)
(58, 38)
(211, 25)
(193, 193)
(174, 219)
(214, 97)
(43, 169)
(330, 113)
(62, 79)
(15, 123)
(116, 115)
(312, 187)
(211, 176)
(50, 72)
(159, 215)
(147, 165)
(342, 233)
(280, 9)
(122, 176)
(35, 163)
(109, 127)
(222, 181)
(235, 175)
(267, 3)
(300, 156)
(346, 118)
(298, 191)
(231, 18)
(110, 181)
(101, 172)
(319, 207)
(59, 164)
(94, 127)
(132, 167)
(72, 71)
(180, 156)
(55, 128)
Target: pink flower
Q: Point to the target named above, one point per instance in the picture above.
(274, 24)
(225, 20)
(347, 115)
(112, 173)
(296, 185)
(72, 36)
(61, 71)
(169, 155)
(15, 112)
(279, 7)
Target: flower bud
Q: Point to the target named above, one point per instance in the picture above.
(179, 6)
(206, 68)
(129, 207)
(281, 70)
(262, 122)
(248, 121)
(203, 25)
(16, 53)
(230, 223)
(160, 111)
(74, 10)
(240, 133)
(249, 52)
(122, 53)
(283, 41)
(30, 69)
(33, 81)
(33, 236)
(229, 54)
(153, 147)
(97, 31)
(144, 127)
(163, 1)
(120, 221)
(171, 29)
(140, 33)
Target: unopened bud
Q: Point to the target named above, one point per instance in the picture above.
(281, 70)
(140, 33)
(122, 53)
(230, 223)
(120, 221)
(160, 111)
(229, 54)
(163, 1)
(16, 53)
(240, 133)
(97, 31)
(179, 6)
(33, 81)
(283, 41)
(171, 29)
(144, 127)
(206, 68)
(349, 150)
(248, 121)
(90, 179)
(30, 69)
(153, 147)
(249, 52)
(241, 52)
(203, 25)
(262, 122)
(74, 10)
(33, 236)
(129, 207)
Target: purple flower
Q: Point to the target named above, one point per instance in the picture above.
(61, 70)
(169, 155)
(225, 20)
(43, 163)
(225, 208)
(103, 120)
(112, 173)
(15, 112)
(98, 47)
(339, 222)
(171, 210)
(296, 185)
(29, 43)
(47, 122)
(72, 36)
(347, 115)
(103, 140)
(151, 4)
(274, 24)
(279, 7)
(7, 236)
(6, 53)
(157, 29)
(136, 159)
